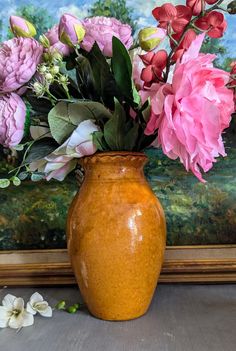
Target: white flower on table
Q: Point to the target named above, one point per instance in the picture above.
(37, 304)
(13, 313)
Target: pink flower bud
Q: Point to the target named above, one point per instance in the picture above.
(151, 37)
(21, 27)
(71, 30)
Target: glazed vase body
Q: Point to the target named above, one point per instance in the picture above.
(116, 236)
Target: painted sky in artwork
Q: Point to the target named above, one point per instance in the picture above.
(142, 13)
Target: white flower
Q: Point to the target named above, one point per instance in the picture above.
(13, 313)
(37, 304)
(63, 160)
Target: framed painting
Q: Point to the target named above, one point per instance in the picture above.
(201, 218)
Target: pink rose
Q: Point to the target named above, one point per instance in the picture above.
(12, 119)
(55, 44)
(19, 58)
(191, 113)
(101, 30)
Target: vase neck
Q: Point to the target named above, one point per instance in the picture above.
(114, 165)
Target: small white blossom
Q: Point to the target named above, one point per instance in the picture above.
(37, 304)
(13, 313)
(55, 70)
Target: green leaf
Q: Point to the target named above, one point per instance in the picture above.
(36, 177)
(19, 147)
(122, 68)
(65, 117)
(4, 183)
(136, 96)
(99, 141)
(40, 149)
(60, 123)
(131, 137)
(85, 78)
(23, 175)
(16, 181)
(114, 129)
(105, 83)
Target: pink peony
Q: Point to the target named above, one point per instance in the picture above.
(19, 58)
(191, 114)
(63, 160)
(55, 44)
(101, 30)
(12, 119)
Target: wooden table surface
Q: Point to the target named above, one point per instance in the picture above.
(181, 318)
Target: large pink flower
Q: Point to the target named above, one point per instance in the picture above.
(191, 114)
(19, 58)
(101, 30)
(12, 119)
(55, 44)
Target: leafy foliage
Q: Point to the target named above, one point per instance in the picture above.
(66, 116)
(40, 149)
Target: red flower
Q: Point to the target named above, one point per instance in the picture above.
(196, 6)
(155, 63)
(190, 35)
(176, 16)
(214, 23)
(211, 2)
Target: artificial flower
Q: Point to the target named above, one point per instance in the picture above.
(197, 6)
(37, 304)
(151, 37)
(213, 23)
(12, 119)
(101, 30)
(13, 313)
(138, 66)
(71, 30)
(19, 58)
(177, 17)
(155, 63)
(55, 44)
(63, 160)
(192, 112)
(211, 2)
(189, 36)
(21, 27)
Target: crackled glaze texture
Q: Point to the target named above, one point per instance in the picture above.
(116, 236)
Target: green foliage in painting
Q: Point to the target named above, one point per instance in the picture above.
(38, 16)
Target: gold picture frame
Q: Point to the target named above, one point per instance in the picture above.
(182, 264)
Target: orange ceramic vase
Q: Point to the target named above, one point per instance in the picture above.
(116, 236)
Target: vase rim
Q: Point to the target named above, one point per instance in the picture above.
(117, 155)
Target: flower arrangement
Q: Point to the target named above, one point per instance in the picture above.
(85, 87)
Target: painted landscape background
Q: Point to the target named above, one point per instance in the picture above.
(33, 215)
